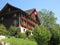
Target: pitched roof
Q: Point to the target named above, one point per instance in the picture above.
(7, 6)
(30, 11)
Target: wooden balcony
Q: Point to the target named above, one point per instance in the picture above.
(30, 28)
(25, 26)
(34, 20)
(23, 19)
(29, 21)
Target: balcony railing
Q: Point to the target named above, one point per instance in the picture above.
(25, 26)
(34, 20)
(27, 20)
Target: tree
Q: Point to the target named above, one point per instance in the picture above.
(47, 18)
(49, 21)
(55, 31)
(41, 35)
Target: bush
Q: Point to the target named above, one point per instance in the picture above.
(13, 30)
(31, 37)
(41, 35)
(3, 30)
(28, 32)
(20, 35)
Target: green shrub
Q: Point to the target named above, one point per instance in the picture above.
(3, 30)
(20, 35)
(13, 30)
(31, 37)
(41, 35)
(28, 32)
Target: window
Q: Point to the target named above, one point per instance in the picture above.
(20, 14)
(9, 10)
(15, 22)
(14, 15)
(24, 30)
(2, 18)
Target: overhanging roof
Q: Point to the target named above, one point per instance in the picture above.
(30, 11)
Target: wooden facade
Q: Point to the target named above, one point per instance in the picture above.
(11, 15)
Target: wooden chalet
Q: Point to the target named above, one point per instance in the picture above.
(11, 15)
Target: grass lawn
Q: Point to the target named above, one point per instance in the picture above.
(18, 41)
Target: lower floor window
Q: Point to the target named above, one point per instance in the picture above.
(15, 22)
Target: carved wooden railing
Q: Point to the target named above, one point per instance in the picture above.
(27, 20)
(25, 26)
(34, 20)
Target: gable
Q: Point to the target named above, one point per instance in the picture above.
(33, 14)
(29, 11)
(8, 8)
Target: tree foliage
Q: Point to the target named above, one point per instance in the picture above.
(20, 35)
(3, 30)
(48, 20)
(28, 32)
(55, 31)
(47, 17)
(41, 35)
(13, 30)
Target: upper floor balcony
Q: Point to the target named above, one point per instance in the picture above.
(29, 21)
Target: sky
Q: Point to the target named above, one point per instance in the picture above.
(52, 5)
